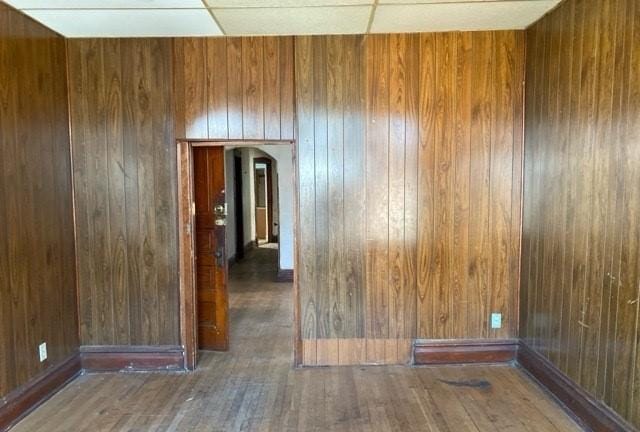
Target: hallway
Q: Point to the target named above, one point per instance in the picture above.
(254, 388)
(260, 311)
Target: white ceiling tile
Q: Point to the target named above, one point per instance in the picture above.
(436, 1)
(128, 23)
(106, 4)
(479, 15)
(294, 21)
(283, 3)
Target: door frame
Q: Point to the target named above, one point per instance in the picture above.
(268, 193)
(186, 244)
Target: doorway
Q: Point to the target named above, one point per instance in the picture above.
(253, 202)
(264, 200)
(205, 192)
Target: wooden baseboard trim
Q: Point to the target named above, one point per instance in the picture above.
(456, 351)
(592, 414)
(22, 401)
(131, 358)
(285, 275)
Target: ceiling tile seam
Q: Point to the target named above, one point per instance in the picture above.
(205, 6)
(214, 18)
(376, 3)
(248, 8)
(113, 9)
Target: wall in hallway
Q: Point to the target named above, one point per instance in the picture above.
(229, 175)
(284, 208)
(124, 163)
(274, 187)
(409, 163)
(248, 196)
(247, 155)
(581, 238)
(37, 259)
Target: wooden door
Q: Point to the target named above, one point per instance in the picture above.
(211, 263)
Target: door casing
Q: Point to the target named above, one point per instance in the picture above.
(186, 246)
(269, 193)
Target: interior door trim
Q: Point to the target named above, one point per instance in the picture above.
(186, 246)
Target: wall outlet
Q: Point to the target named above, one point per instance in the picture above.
(496, 320)
(42, 351)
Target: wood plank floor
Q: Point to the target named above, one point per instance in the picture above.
(254, 388)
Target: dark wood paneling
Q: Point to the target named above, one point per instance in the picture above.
(124, 164)
(128, 105)
(409, 155)
(234, 88)
(390, 126)
(464, 351)
(581, 237)
(469, 183)
(331, 128)
(37, 260)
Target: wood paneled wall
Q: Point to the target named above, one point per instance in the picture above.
(37, 264)
(409, 164)
(581, 235)
(124, 157)
(234, 88)
(130, 99)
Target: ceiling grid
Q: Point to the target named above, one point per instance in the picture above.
(167, 18)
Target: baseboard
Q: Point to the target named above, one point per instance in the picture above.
(131, 358)
(285, 275)
(464, 351)
(22, 401)
(592, 414)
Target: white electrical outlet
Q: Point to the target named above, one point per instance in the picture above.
(42, 350)
(496, 320)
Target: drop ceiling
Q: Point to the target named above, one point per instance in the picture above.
(144, 18)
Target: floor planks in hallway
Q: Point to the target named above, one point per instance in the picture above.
(254, 388)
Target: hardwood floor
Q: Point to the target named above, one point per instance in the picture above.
(254, 388)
